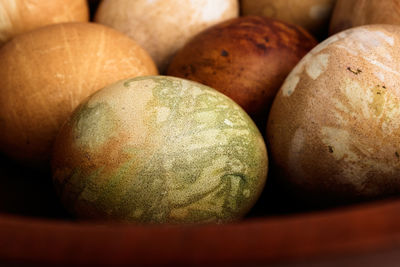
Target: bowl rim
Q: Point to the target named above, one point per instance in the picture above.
(359, 229)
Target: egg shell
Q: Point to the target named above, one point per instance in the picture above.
(313, 15)
(164, 26)
(352, 13)
(245, 58)
(46, 73)
(159, 150)
(334, 126)
(18, 16)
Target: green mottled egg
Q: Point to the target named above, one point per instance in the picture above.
(159, 149)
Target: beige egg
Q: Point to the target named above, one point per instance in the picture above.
(164, 26)
(334, 127)
(18, 16)
(312, 15)
(46, 73)
(353, 13)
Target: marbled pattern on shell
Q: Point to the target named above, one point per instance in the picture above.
(334, 127)
(159, 150)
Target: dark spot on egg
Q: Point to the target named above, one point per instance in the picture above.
(224, 53)
(356, 72)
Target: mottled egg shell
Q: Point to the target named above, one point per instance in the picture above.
(353, 13)
(18, 16)
(159, 149)
(334, 127)
(245, 58)
(164, 26)
(46, 73)
(313, 15)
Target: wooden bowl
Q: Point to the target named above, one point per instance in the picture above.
(369, 233)
(34, 229)
(364, 233)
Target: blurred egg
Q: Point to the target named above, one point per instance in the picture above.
(245, 58)
(313, 15)
(46, 73)
(334, 125)
(18, 16)
(353, 13)
(162, 27)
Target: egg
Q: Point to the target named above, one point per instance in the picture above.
(159, 149)
(334, 126)
(162, 27)
(242, 58)
(18, 16)
(353, 13)
(313, 15)
(46, 73)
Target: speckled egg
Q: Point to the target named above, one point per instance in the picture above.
(334, 127)
(353, 13)
(164, 26)
(313, 15)
(159, 149)
(246, 58)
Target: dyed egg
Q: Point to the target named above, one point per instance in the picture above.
(159, 150)
(246, 59)
(334, 126)
(162, 27)
(352, 13)
(19, 16)
(313, 15)
(46, 73)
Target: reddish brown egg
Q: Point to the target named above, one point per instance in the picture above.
(246, 59)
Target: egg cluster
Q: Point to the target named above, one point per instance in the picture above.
(238, 79)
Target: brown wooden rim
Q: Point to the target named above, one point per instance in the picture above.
(358, 229)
